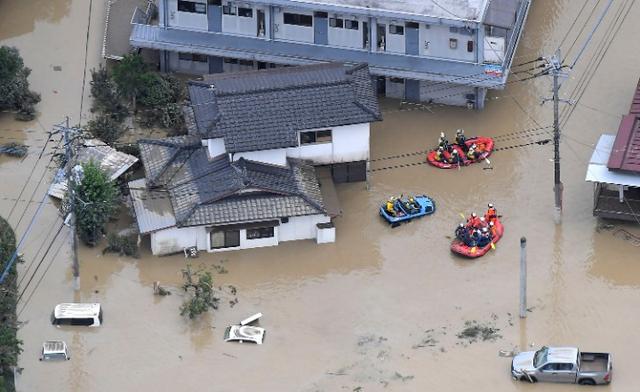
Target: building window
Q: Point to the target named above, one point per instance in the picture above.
(396, 80)
(248, 63)
(246, 12)
(260, 232)
(313, 137)
(469, 46)
(298, 19)
(225, 239)
(351, 24)
(336, 23)
(395, 29)
(214, 2)
(193, 57)
(192, 6)
(230, 61)
(453, 43)
(229, 9)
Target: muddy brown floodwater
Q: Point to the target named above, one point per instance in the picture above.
(380, 308)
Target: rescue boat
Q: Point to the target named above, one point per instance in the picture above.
(484, 145)
(405, 211)
(462, 249)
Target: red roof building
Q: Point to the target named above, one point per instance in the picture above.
(625, 154)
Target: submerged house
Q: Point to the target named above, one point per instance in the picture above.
(247, 175)
(445, 51)
(614, 169)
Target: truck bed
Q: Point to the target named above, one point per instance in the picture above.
(594, 362)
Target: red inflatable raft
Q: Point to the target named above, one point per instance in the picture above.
(484, 145)
(460, 248)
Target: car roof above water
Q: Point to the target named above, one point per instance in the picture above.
(54, 347)
(76, 310)
(562, 354)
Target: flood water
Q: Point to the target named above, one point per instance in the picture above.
(380, 308)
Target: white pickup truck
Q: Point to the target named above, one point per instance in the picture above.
(562, 364)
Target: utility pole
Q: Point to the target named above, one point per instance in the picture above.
(523, 277)
(554, 65)
(69, 139)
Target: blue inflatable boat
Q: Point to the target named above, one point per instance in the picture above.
(406, 210)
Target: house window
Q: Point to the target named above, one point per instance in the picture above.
(453, 43)
(395, 29)
(192, 6)
(225, 239)
(351, 24)
(336, 23)
(397, 80)
(230, 61)
(469, 46)
(248, 63)
(229, 9)
(193, 57)
(313, 137)
(298, 19)
(260, 232)
(245, 12)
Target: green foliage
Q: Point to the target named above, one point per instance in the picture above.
(199, 285)
(10, 345)
(122, 244)
(106, 128)
(105, 97)
(162, 97)
(131, 76)
(14, 85)
(96, 198)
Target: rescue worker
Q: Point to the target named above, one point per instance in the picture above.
(455, 157)
(483, 223)
(442, 141)
(413, 203)
(440, 154)
(461, 232)
(391, 210)
(471, 154)
(460, 138)
(473, 221)
(492, 229)
(485, 237)
(491, 214)
(475, 237)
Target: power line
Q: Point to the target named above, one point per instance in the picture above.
(566, 35)
(590, 36)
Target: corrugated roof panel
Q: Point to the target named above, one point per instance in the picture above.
(153, 208)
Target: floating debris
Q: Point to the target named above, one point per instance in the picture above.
(475, 331)
(14, 150)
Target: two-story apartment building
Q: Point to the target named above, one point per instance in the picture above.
(449, 51)
(246, 175)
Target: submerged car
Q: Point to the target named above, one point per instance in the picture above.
(244, 332)
(562, 365)
(54, 350)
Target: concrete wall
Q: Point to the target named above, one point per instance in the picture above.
(289, 32)
(394, 89)
(344, 37)
(434, 42)
(185, 66)
(186, 20)
(174, 240)
(448, 94)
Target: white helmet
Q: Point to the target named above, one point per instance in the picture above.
(473, 145)
(484, 230)
(461, 225)
(482, 219)
(459, 131)
(442, 135)
(490, 205)
(473, 215)
(454, 152)
(491, 223)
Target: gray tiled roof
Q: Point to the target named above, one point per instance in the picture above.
(217, 191)
(260, 110)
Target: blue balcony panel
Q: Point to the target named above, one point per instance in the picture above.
(294, 53)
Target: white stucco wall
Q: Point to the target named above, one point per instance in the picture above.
(349, 143)
(291, 32)
(301, 227)
(274, 157)
(216, 147)
(174, 240)
(189, 67)
(187, 20)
